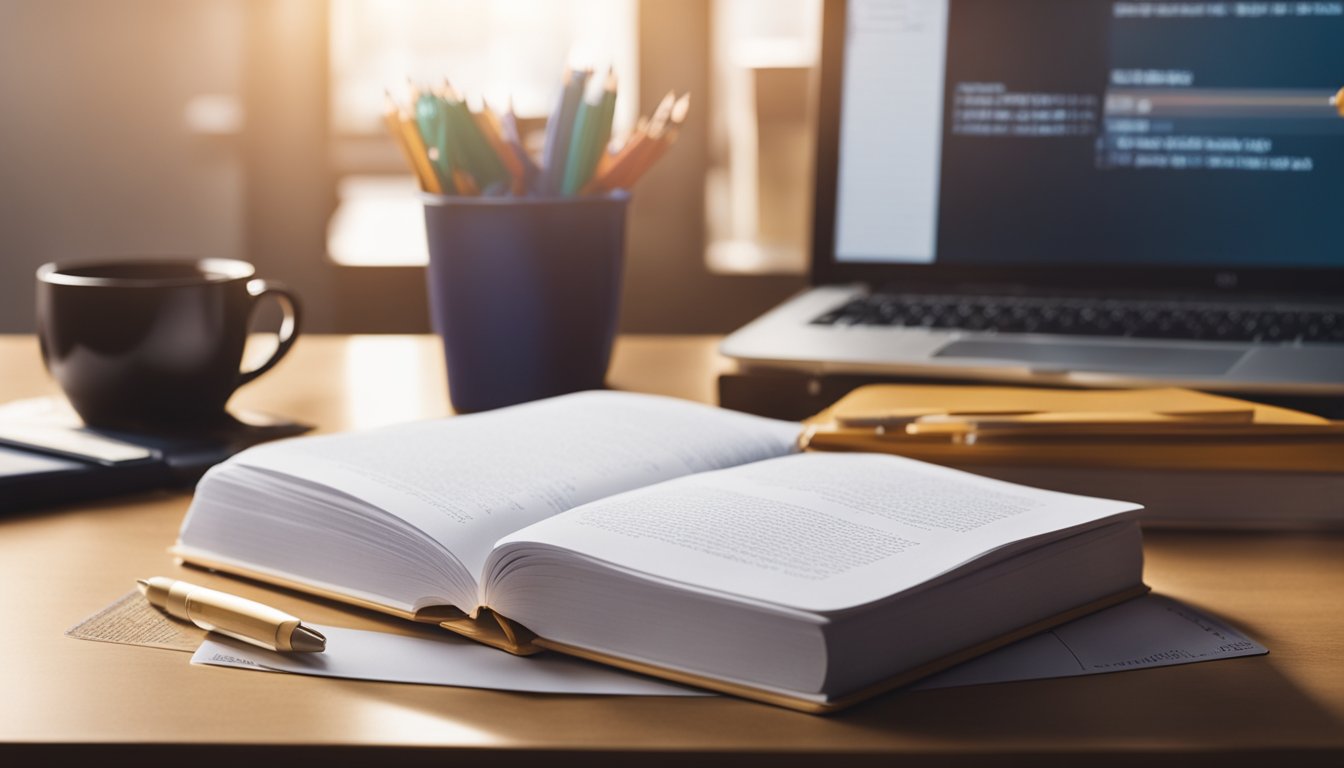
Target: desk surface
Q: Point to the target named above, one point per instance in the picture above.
(95, 700)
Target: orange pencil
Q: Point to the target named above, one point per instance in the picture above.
(620, 174)
(667, 139)
(466, 185)
(610, 158)
(493, 131)
(617, 169)
(611, 163)
(662, 133)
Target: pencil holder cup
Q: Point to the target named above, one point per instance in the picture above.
(525, 293)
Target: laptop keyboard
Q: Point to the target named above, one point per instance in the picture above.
(1091, 317)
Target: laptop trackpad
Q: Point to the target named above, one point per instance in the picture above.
(1087, 357)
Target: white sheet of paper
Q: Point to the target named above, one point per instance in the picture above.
(363, 655)
(1149, 631)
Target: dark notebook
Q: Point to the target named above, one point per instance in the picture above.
(48, 458)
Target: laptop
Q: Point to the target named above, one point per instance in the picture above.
(1075, 192)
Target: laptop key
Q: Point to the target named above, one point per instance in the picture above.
(1104, 317)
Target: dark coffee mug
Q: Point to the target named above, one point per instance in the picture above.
(153, 344)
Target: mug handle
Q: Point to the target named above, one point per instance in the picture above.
(289, 324)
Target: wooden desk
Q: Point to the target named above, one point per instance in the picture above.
(80, 699)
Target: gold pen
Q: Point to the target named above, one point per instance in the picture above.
(1046, 419)
(899, 417)
(231, 615)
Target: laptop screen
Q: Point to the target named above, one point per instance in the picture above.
(1098, 133)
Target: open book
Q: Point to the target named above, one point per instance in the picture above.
(670, 538)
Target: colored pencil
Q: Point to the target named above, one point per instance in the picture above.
(433, 127)
(611, 165)
(454, 147)
(407, 138)
(560, 131)
(592, 130)
(488, 122)
(477, 156)
(666, 140)
(614, 171)
(509, 129)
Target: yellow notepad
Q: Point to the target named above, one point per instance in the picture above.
(1167, 428)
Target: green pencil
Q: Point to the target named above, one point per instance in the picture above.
(430, 120)
(603, 128)
(592, 131)
(577, 141)
(477, 156)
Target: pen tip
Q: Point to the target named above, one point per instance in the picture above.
(142, 585)
(307, 640)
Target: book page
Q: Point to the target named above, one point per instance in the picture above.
(467, 481)
(820, 532)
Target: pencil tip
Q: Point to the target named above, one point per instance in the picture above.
(680, 109)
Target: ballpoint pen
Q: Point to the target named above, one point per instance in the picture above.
(1087, 419)
(903, 417)
(231, 615)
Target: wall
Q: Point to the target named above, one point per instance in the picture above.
(96, 159)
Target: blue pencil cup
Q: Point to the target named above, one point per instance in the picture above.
(525, 293)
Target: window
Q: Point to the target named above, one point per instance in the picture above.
(758, 190)
(499, 50)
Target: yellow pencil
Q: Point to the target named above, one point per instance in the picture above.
(407, 137)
